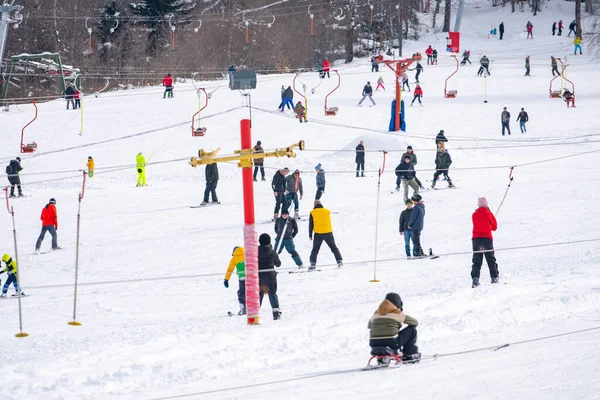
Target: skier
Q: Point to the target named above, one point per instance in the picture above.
(380, 83)
(360, 159)
(405, 171)
(405, 80)
(416, 223)
(386, 329)
(76, 95)
(320, 181)
(429, 53)
(442, 164)
(374, 64)
(49, 219)
(440, 138)
(286, 229)
(572, 28)
(294, 190)
(485, 64)
(554, 65)
(505, 120)
(367, 92)
(167, 82)
(434, 55)
(501, 30)
(69, 95)
(320, 223)
(527, 66)
(267, 279)
(140, 162)
(326, 68)
(404, 231)
(560, 27)
(413, 159)
(11, 271)
(419, 69)
(90, 166)
(529, 27)
(238, 262)
(466, 55)
(553, 28)
(278, 186)
(484, 223)
(577, 43)
(211, 173)
(417, 95)
(300, 112)
(12, 170)
(523, 118)
(259, 162)
(288, 98)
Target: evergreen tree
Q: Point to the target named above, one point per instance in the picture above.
(156, 14)
(108, 23)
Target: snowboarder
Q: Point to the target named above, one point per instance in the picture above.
(294, 190)
(405, 80)
(466, 55)
(527, 66)
(12, 170)
(367, 92)
(267, 279)
(529, 27)
(429, 53)
(440, 138)
(49, 219)
(320, 181)
(374, 64)
(11, 271)
(442, 164)
(259, 162)
(211, 173)
(417, 95)
(288, 98)
(320, 223)
(360, 159)
(554, 65)
(300, 112)
(577, 43)
(572, 28)
(278, 186)
(69, 95)
(90, 166)
(140, 164)
(419, 69)
(416, 223)
(484, 223)
(523, 118)
(286, 229)
(485, 64)
(386, 329)
(560, 27)
(553, 28)
(380, 83)
(326, 68)
(404, 231)
(238, 262)
(501, 30)
(413, 159)
(405, 172)
(167, 82)
(505, 120)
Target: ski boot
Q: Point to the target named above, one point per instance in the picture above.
(263, 179)
(215, 202)
(276, 315)
(475, 282)
(242, 309)
(411, 359)
(3, 296)
(312, 267)
(357, 175)
(21, 195)
(339, 263)
(495, 279)
(12, 196)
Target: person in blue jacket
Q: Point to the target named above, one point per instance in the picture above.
(415, 224)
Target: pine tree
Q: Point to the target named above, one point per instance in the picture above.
(156, 14)
(108, 22)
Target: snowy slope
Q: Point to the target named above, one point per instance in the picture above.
(157, 326)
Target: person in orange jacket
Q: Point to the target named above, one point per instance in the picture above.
(168, 84)
(90, 166)
(49, 219)
(326, 68)
(418, 94)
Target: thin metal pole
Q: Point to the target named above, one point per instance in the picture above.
(75, 322)
(377, 219)
(485, 88)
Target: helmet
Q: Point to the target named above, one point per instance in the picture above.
(52, 201)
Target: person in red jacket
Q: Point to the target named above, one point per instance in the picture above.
(418, 94)
(168, 84)
(77, 98)
(49, 224)
(429, 53)
(326, 67)
(484, 223)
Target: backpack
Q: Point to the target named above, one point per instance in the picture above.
(8, 170)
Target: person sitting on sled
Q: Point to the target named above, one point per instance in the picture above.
(386, 324)
(300, 112)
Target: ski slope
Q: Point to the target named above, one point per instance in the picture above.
(152, 303)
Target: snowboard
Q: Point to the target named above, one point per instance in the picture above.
(14, 296)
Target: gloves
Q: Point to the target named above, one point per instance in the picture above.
(226, 283)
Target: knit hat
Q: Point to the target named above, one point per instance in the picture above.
(52, 201)
(318, 167)
(441, 131)
(416, 197)
(284, 211)
(482, 202)
(90, 157)
(259, 143)
(395, 299)
(264, 239)
(18, 159)
(409, 148)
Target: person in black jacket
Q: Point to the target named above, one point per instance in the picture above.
(404, 231)
(419, 69)
(69, 95)
(410, 152)
(405, 172)
(212, 178)
(12, 170)
(288, 98)
(442, 164)
(367, 92)
(286, 229)
(360, 159)
(501, 29)
(523, 118)
(259, 162)
(279, 191)
(267, 279)
(440, 137)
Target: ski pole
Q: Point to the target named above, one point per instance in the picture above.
(510, 179)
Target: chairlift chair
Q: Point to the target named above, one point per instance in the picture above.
(451, 94)
(332, 111)
(199, 131)
(29, 147)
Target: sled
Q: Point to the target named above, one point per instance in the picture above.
(384, 356)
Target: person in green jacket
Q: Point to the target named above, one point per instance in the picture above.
(442, 164)
(238, 262)
(140, 162)
(11, 270)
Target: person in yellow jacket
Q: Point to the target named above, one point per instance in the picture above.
(90, 166)
(238, 262)
(577, 43)
(320, 223)
(140, 162)
(11, 270)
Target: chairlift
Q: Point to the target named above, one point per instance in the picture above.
(30, 147)
(451, 94)
(200, 131)
(332, 111)
(302, 95)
